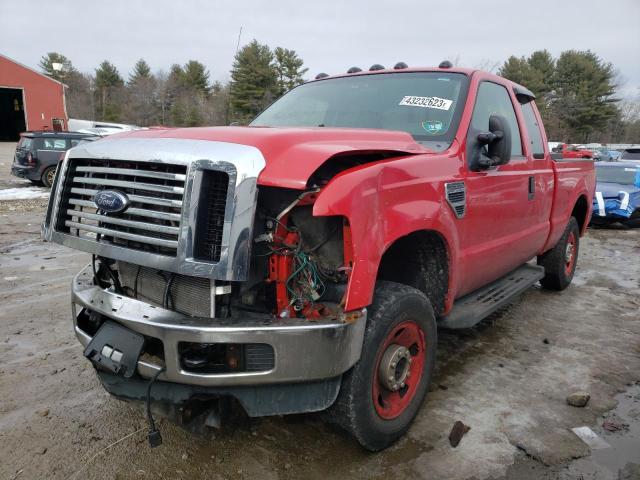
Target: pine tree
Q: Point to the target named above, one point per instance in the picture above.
(289, 69)
(141, 107)
(141, 72)
(196, 77)
(109, 85)
(583, 89)
(517, 70)
(65, 67)
(107, 75)
(574, 93)
(254, 82)
(543, 64)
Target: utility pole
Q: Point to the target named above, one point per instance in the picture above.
(239, 35)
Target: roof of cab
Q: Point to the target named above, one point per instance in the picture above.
(464, 71)
(519, 90)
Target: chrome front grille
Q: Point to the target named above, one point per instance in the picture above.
(191, 206)
(150, 224)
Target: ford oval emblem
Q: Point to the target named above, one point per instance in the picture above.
(111, 201)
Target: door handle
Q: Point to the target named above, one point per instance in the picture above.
(532, 187)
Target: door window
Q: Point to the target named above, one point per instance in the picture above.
(493, 99)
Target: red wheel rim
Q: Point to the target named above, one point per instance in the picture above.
(570, 254)
(391, 404)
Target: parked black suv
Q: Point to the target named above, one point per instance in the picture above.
(630, 155)
(38, 153)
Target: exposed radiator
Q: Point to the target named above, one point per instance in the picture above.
(187, 295)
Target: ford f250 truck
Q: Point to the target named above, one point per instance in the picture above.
(305, 262)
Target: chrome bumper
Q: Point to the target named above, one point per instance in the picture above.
(304, 350)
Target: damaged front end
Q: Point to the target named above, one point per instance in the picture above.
(233, 290)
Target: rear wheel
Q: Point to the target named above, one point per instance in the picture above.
(560, 262)
(48, 176)
(381, 395)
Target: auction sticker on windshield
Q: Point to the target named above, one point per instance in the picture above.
(426, 102)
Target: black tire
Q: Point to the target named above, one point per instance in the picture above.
(634, 220)
(354, 410)
(48, 176)
(558, 270)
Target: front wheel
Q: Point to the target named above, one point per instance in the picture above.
(381, 395)
(560, 262)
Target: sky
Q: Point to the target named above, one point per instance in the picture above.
(330, 35)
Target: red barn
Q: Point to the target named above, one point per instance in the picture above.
(29, 100)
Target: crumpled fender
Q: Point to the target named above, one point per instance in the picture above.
(384, 202)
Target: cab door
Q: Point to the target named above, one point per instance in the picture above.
(496, 233)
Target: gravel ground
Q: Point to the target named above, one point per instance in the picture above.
(507, 379)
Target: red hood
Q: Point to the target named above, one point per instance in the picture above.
(293, 154)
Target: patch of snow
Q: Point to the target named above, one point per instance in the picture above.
(24, 193)
(590, 437)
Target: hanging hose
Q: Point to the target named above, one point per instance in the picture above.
(155, 439)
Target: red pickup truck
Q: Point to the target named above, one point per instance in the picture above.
(306, 262)
(572, 151)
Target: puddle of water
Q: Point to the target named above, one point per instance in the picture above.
(624, 444)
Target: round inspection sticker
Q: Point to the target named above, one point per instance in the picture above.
(433, 127)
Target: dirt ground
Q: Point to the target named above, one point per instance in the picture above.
(507, 379)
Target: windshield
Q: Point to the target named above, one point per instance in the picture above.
(426, 105)
(621, 175)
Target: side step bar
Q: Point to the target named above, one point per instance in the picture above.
(470, 309)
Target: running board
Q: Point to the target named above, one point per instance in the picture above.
(470, 309)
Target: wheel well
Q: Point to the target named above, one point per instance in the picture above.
(419, 260)
(580, 211)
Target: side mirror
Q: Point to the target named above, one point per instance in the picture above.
(498, 142)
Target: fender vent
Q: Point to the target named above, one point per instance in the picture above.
(456, 197)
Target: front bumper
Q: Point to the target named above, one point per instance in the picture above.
(304, 350)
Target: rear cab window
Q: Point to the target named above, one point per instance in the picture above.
(533, 128)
